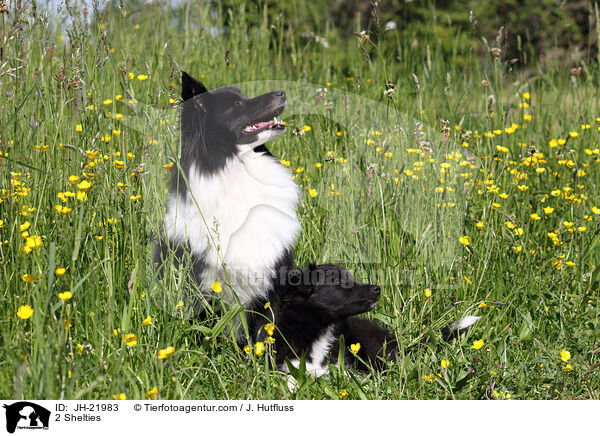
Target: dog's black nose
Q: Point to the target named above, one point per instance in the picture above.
(279, 93)
(375, 290)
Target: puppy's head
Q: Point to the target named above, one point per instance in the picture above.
(332, 291)
(230, 118)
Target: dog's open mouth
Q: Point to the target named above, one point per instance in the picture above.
(274, 124)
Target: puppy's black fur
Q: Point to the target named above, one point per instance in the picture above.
(312, 308)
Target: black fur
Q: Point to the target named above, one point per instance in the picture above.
(305, 303)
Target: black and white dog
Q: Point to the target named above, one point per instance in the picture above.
(232, 205)
(312, 308)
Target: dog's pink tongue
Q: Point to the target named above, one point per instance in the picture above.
(262, 124)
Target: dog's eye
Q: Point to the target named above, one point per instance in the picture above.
(238, 103)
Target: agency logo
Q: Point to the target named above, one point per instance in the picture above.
(26, 415)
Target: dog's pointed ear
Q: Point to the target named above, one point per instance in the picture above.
(190, 87)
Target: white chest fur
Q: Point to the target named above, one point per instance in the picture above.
(239, 221)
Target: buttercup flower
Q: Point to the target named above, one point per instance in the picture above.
(478, 344)
(216, 287)
(565, 355)
(355, 348)
(130, 339)
(166, 352)
(259, 349)
(25, 312)
(28, 278)
(152, 393)
(65, 296)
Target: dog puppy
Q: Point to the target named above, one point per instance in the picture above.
(311, 309)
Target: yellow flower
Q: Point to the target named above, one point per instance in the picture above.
(548, 210)
(306, 128)
(355, 348)
(248, 349)
(119, 164)
(168, 166)
(28, 278)
(142, 77)
(313, 193)
(163, 354)
(63, 210)
(526, 96)
(565, 355)
(582, 228)
(259, 349)
(479, 225)
(79, 348)
(535, 216)
(527, 118)
(568, 367)
(24, 226)
(596, 210)
(477, 344)
(216, 287)
(79, 128)
(65, 296)
(32, 243)
(464, 240)
(25, 312)
(467, 280)
(107, 102)
(179, 305)
(427, 293)
(91, 154)
(152, 393)
(84, 185)
(130, 339)
(120, 396)
(573, 134)
(269, 328)
(482, 305)
(445, 364)
(267, 305)
(147, 321)
(343, 394)
(285, 163)
(540, 170)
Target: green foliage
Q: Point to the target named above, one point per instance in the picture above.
(454, 96)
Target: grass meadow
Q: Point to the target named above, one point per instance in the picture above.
(472, 187)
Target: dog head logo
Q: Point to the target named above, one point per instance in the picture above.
(26, 415)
